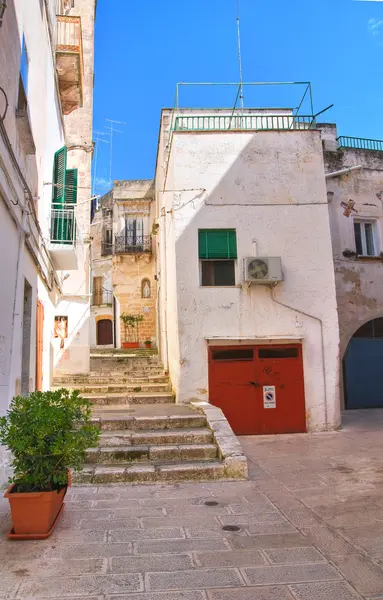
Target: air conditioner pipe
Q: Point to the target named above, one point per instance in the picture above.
(343, 171)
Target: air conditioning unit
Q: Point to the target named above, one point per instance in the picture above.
(264, 270)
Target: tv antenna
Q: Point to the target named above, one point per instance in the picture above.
(112, 130)
(240, 57)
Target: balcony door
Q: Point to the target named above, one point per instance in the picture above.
(134, 232)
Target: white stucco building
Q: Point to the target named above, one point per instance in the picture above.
(229, 190)
(46, 92)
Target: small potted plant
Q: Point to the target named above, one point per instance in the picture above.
(148, 343)
(131, 329)
(47, 434)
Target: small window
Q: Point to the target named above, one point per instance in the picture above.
(217, 273)
(233, 354)
(365, 238)
(217, 250)
(278, 353)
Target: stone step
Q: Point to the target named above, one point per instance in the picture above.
(151, 473)
(117, 421)
(127, 389)
(106, 378)
(132, 352)
(117, 401)
(154, 454)
(167, 437)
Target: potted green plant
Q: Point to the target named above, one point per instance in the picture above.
(47, 434)
(148, 343)
(131, 329)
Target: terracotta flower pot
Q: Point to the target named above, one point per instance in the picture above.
(34, 513)
(130, 345)
(148, 344)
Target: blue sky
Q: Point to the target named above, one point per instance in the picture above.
(143, 48)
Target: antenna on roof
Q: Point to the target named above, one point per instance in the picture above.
(112, 130)
(240, 57)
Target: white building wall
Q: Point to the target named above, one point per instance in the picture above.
(270, 187)
(23, 243)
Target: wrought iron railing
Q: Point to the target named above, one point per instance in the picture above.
(244, 122)
(103, 297)
(360, 143)
(63, 224)
(132, 244)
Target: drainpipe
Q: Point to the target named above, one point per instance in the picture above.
(18, 287)
(343, 171)
(302, 312)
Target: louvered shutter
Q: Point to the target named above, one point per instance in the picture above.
(217, 244)
(59, 176)
(71, 186)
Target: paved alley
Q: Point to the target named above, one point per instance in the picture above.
(308, 526)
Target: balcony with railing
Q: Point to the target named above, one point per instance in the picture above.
(360, 143)
(102, 298)
(63, 232)
(132, 244)
(70, 62)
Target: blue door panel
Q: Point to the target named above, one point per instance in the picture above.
(363, 370)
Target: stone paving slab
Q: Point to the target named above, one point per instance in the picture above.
(261, 593)
(197, 579)
(324, 591)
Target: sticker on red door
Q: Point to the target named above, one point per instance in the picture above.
(269, 396)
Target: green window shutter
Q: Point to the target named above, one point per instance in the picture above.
(71, 186)
(217, 243)
(59, 176)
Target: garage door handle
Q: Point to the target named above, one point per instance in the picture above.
(254, 383)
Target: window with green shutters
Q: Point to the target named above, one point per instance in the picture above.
(217, 250)
(64, 198)
(217, 244)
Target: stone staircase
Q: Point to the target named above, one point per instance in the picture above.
(145, 435)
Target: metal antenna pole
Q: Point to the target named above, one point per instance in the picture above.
(112, 130)
(240, 57)
(97, 140)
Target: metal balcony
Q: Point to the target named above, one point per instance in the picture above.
(103, 298)
(133, 244)
(63, 232)
(70, 62)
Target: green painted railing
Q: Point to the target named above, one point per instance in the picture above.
(243, 122)
(360, 143)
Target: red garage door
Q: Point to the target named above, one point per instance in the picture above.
(259, 388)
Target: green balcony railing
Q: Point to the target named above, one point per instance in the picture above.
(63, 224)
(243, 122)
(360, 143)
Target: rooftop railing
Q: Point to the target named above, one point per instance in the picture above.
(360, 143)
(243, 122)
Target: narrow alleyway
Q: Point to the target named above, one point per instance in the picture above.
(308, 526)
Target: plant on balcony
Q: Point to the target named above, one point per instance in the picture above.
(131, 323)
(47, 434)
(148, 343)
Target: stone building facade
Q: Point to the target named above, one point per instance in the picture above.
(123, 263)
(354, 177)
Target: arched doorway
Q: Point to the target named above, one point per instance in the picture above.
(104, 332)
(363, 367)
